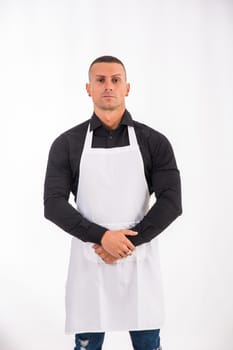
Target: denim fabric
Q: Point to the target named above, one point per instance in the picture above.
(89, 341)
(141, 340)
(145, 340)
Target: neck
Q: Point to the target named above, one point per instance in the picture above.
(110, 118)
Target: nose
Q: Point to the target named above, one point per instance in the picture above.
(108, 88)
(108, 85)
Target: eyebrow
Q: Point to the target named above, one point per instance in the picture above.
(114, 75)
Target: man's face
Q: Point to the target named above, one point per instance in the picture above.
(108, 86)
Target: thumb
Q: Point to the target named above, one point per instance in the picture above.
(131, 233)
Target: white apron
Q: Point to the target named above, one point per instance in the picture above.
(127, 295)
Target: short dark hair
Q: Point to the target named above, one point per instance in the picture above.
(106, 59)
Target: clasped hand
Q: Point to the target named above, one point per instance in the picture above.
(115, 245)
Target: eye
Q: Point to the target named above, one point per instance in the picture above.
(115, 80)
(100, 80)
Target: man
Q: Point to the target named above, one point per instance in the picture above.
(112, 164)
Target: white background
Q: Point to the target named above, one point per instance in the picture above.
(179, 58)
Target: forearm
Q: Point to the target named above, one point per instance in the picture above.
(159, 217)
(62, 213)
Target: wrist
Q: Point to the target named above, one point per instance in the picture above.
(103, 237)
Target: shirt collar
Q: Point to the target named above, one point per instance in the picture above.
(125, 120)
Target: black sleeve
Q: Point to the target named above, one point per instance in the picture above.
(57, 189)
(165, 179)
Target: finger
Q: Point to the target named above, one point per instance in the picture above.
(99, 253)
(122, 253)
(99, 250)
(110, 261)
(125, 252)
(115, 254)
(96, 246)
(130, 233)
(129, 244)
(129, 252)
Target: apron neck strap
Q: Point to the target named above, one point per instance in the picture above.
(131, 132)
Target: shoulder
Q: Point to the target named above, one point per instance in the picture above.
(76, 131)
(152, 137)
(158, 146)
(68, 138)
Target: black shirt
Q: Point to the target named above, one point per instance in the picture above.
(62, 178)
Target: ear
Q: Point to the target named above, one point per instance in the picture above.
(127, 89)
(88, 89)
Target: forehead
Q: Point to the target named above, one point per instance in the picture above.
(107, 69)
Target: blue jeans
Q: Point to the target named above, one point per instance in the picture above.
(141, 340)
